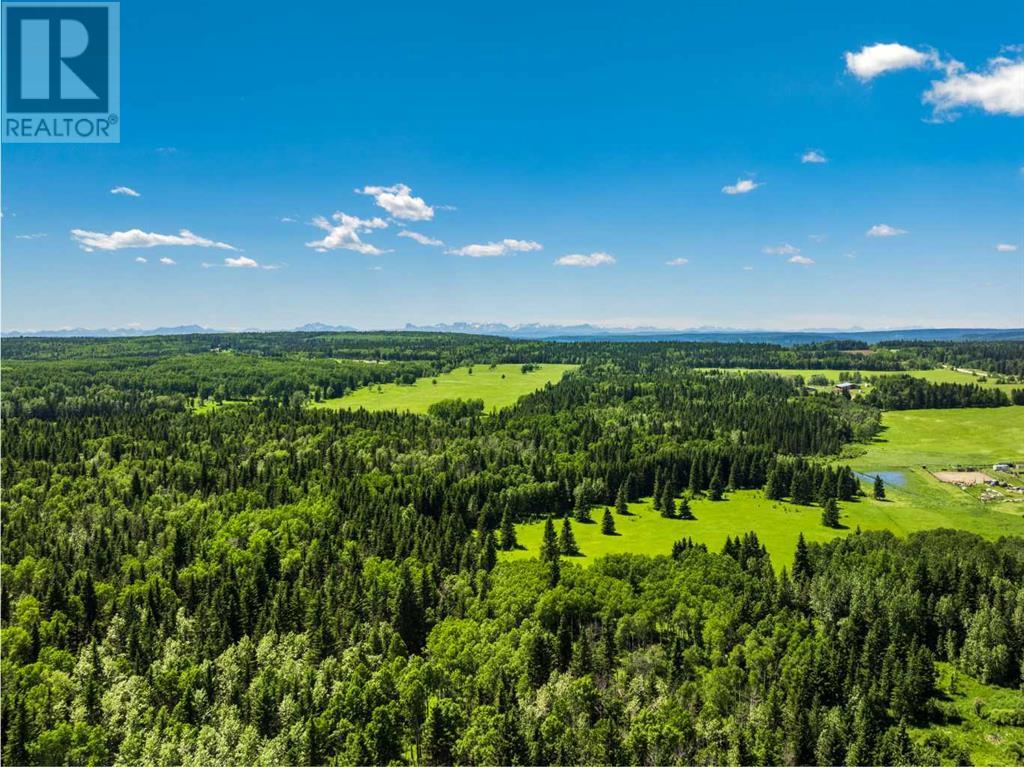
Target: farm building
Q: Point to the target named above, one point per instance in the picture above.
(1002, 467)
(847, 386)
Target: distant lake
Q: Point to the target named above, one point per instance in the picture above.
(896, 478)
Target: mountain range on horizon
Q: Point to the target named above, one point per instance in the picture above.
(584, 331)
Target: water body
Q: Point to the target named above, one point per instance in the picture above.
(895, 478)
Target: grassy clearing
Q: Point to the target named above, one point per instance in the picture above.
(498, 386)
(911, 438)
(922, 505)
(938, 375)
(209, 405)
(937, 438)
(986, 742)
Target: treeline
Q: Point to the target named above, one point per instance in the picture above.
(909, 393)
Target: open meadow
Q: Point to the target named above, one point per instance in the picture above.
(935, 375)
(497, 385)
(915, 500)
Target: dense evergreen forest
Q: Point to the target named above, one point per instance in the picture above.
(271, 583)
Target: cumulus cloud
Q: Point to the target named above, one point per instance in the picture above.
(678, 262)
(586, 261)
(168, 261)
(422, 239)
(813, 156)
(1006, 247)
(742, 186)
(493, 249)
(140, 260)
(884, 230)
(785, 249)
(802, 260)
(242, 262)
(399, 202)
(288, 220)
(877, 59)
(998, 89)
(344, 233)
(125, 190)
(136, 238)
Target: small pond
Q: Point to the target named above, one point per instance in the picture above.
(894, 478)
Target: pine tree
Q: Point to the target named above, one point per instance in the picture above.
(622, 500)
(668, 503)
(773, 489)
(508, 532)
(830, 513)
(656, 493)
(567, 541)
(608, 523)
(879, 489)
(801, 560)
(715, 489)
(800, 488)
(488, 553)
(549, 548)
(684, 511)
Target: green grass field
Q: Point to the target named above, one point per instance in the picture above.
(987, 743)
(938, 375)
(911, 438)
(498, 386)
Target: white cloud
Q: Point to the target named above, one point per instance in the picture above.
(748, 268)
(399, 202)
(136, 238)
(288, 220)
(34, 236)
(813, 156)
(140, 260)
(742, 186)
(375, 268)
(125, 190)
(242, 262)
(1006, 247)
(873, 60)
(493, 249)
(884, 230)
(785, 249)
(344, 233)
(802, 260)
(677, 262)
(422, 239)
(999, 89)
(168, 261)
(592, 260)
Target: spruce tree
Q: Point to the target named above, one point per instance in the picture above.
(715, 489)
(684, 511)
(566, 540)
(668, 503)
(549, 549)
(801, 560)
(622, 500)
(608, 523)
(830, 513)
(773, 489)
(879, 489)
(508, 532)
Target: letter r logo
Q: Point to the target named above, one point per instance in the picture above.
(57, 58)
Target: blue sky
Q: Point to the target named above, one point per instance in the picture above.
(605, 134)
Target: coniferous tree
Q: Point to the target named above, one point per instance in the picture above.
(773, 489)
(801, 560)
(715, 489)
(879, 488)
(549, 548)
(622, 500)
(830, 512)
(668, 503)
(508, 532)
(608, 523)
(567, 540)
(684, 511)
